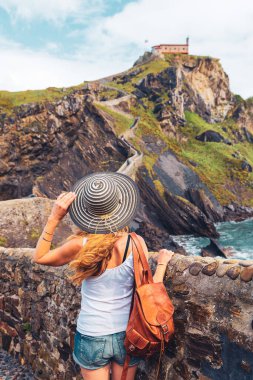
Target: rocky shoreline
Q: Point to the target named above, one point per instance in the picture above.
(236, 213)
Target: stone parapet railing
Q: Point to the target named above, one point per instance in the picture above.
(132, 163)
(213, 302)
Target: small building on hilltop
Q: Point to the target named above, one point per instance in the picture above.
(171, 48)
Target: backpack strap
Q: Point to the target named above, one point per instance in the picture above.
(160, 356)
(141, 258)
(125, 367)
(126, 249)
(138, 270)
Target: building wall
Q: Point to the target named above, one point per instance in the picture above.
(171, 49)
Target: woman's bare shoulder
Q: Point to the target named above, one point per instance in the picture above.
(142, 240)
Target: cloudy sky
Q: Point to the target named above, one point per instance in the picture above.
(64, 42)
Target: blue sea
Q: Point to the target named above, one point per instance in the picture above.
(237, 235)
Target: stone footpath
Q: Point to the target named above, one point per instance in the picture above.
(11, 369)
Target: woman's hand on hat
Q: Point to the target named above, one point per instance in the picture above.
(61, 205)
(164, 256)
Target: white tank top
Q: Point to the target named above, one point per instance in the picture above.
(106, 300)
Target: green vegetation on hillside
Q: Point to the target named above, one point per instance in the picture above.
(9, 100)
(217, 168)
(249, 101)
(108, 94)
(121, 122)
(153, 67)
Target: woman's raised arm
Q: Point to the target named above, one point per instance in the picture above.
(162, 260)
(65, 253)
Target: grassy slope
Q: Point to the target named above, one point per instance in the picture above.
(121, 122)
(151, 67)
(217, 168)
(9, 100)
(216, 165)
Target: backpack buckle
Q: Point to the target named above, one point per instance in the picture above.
(164, 328)
(131, 347)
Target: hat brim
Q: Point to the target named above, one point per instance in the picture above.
(119, 218)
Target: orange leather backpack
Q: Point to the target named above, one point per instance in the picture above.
(150, 324)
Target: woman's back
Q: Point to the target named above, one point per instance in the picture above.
(106, 299)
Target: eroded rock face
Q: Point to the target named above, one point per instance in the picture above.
(46, 148)
(196, 84)
(176, 215)
(187, 205)
(243, 113)
(213, 318)
(207, 87)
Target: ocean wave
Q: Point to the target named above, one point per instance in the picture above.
(237, 235)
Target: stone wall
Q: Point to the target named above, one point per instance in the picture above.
(213, 318)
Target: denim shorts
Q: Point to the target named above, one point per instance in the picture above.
(93, 352)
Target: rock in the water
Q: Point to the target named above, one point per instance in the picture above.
(213, 249)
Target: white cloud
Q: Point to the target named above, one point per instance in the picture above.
(222, 29)
(52, 46)
(51, 10)
(23, 69)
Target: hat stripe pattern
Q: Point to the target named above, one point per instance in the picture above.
(101, 196)
(105, 202)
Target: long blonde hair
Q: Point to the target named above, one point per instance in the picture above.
(93, 257)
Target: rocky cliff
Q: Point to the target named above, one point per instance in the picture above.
(46, 147)
(195, 135)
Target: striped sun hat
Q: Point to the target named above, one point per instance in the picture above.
(105, 202)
